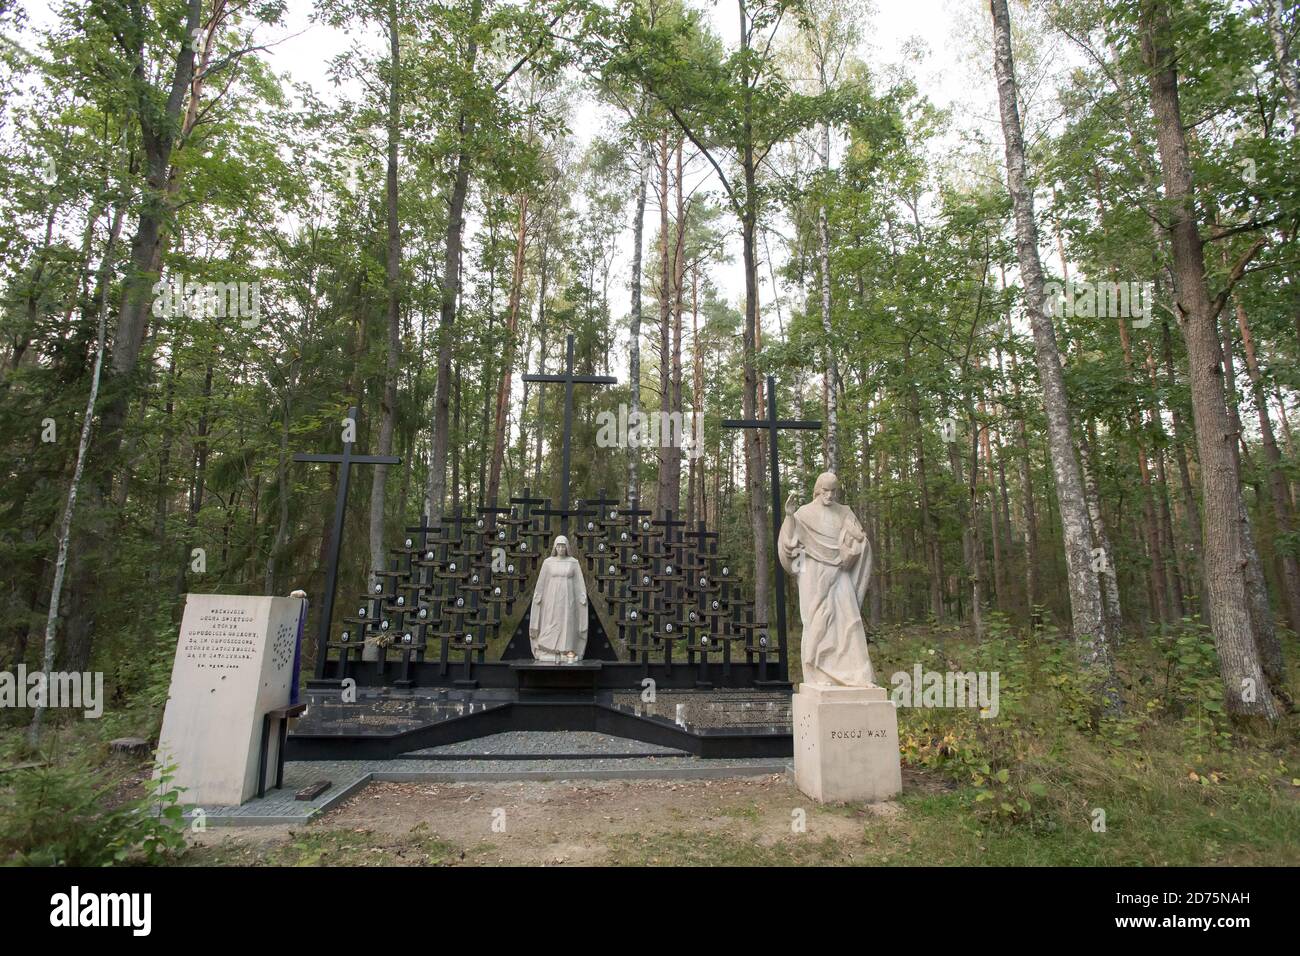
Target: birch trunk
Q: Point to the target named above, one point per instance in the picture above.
(1086, 605)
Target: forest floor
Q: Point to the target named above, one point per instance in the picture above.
(1049, 781)
(739, 822)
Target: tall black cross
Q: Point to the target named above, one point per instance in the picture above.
(773, 425)
(345, 461)
(569, 380)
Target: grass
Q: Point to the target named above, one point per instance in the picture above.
(1174, 779)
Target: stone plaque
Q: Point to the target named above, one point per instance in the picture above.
(234, 663)
(846, 744)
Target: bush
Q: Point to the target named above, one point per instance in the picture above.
(61, 816)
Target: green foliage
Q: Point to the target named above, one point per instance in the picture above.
(68, 815)
(1193, 690)
(1049, 758)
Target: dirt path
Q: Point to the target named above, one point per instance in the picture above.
(762, 819)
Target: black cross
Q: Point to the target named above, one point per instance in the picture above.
(563, 514)
(668, 524)
(600, 502)
(569, 380)
(345, 461)
(704, 536)
(459, 517)
(423, 528)
(527, 502)
(773, 425)
(633, 511)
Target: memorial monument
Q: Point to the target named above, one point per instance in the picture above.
(845, 726)
(236, 662)
(557, 626)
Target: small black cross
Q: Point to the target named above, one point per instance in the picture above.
(669, 526)
(423, 528)
(527, 502)
(492, 513)
(773, 426)
(524, 499)
(569, 380)
(600, 502)
(704, 536)
(345, 461)
(563, 514)
(634, 511)
(459, 517)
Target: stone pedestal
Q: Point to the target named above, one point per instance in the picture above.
(846, 744)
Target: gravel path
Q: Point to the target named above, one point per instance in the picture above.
(538, 744)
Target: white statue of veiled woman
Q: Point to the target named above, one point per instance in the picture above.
(557, 626)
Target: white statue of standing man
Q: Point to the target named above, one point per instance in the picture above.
(557, 623)
(823, 546)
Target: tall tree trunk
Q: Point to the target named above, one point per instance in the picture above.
(1285, 58)
(694, 509)
(50, 645)
(393, 283)
(158, 135)
(679, 281)
(749, 407)
(634, 344)
(1246, 687)
(830, 398)
(1282, 514)
(281, 538)
(198, 479)
(1195, 577)
(80, 605)
(508, 361)
(1086, 605)
(930, 539)
(1261, 611)
(1107, 575)
(456, 450)
(968, 514)
(436, 488)
(663, 489)
(999, 559)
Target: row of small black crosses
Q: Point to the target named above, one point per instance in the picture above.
(665, 588)
(452, 572)
(437, 585)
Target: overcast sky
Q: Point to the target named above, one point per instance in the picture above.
(941, 44)
(929, 38)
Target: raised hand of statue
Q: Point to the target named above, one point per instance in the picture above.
(791, 503)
